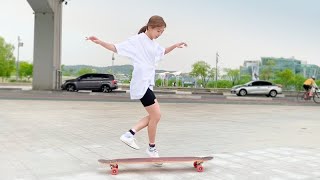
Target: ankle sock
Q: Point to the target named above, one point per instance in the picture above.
(132, 131)
(152, 145)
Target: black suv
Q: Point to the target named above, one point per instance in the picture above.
(93, 81)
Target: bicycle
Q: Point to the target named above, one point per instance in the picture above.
(305, 96)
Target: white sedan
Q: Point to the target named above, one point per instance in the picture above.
(257, 87)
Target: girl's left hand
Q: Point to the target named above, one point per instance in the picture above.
(181, 45)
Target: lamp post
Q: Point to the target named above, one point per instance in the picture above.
(20, 44)
(217, 59)
(112, 63)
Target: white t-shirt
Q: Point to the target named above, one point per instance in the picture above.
(144, 53)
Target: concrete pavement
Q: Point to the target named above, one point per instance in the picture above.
(46, 139)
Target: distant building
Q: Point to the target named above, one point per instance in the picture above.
(281, 64)
(309, 70)
(254, 67)
(251, 67)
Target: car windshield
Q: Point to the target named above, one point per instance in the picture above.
(246, 84)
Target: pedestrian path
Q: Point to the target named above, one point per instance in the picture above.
(64, 139)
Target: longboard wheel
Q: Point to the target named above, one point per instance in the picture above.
(199, 168)
(114, 166)
(114, 171)
(195, 164)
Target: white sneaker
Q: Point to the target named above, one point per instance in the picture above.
(129, 140)
(152, 152)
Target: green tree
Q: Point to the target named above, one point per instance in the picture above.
(84, 71)
(267, 71)
(130, 74)
(285, 78)
(202, 70)
(109, 71)
(244, 78)
(158, 82)
(224, 84)
(298, 82)
(220, 84)
(7, 60)
(25, 69)
(66, 72)
(232, 75)
(212, 73)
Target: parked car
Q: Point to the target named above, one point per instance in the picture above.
(92, 81)
(257, 87)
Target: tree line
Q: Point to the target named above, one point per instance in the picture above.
(201, 71)
(205, 75)
(8, 66)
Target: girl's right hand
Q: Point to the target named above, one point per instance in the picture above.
(93, 39)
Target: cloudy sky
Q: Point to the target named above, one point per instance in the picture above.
(237, 30)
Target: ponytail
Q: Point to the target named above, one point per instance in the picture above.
(154, 21)
(143, 29)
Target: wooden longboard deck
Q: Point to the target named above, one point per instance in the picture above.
(154, 160)
(197, 161)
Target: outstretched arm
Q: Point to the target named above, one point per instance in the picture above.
(178, 45)
(106, 45)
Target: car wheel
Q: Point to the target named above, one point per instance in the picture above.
(71, 87)
(243, 92)
(273, 93)
(105, 89)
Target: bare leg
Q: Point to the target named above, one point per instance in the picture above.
(141, 124)
(154, 118)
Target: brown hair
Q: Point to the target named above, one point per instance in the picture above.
(154, 21)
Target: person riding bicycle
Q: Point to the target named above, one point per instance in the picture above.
(309, 84)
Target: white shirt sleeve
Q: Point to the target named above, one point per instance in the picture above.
(159, 53)
(126, 48)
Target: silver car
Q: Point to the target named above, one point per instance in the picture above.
(257, 87)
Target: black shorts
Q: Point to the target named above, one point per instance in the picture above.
(307, 87)
(148, 98)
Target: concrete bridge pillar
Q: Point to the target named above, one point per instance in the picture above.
(47, 44)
